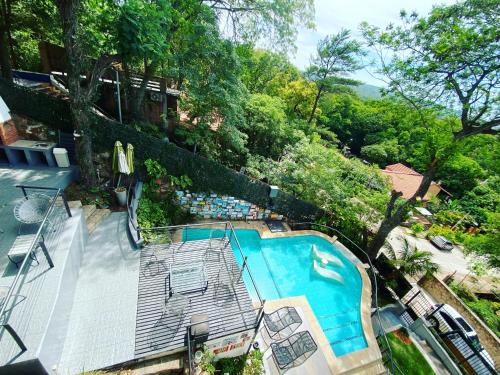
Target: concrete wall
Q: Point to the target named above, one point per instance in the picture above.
(53, 343)
(423, 332)
(442, 294)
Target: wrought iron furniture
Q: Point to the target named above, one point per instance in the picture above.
(293, 351)
(282, 323)
(217, 242)
(32, 209)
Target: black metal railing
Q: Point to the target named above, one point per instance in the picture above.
(382, 340)
(35, 242)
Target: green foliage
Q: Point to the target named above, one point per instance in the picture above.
(250, 364)
(488, 311)
(417, 228)
(207, 362)
(408, 358)
(411, 261)
(460, 174)
(455, 236)
(381, 153)
(154, 169)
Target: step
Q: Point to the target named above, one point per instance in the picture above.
(88, 210)
(96, 218)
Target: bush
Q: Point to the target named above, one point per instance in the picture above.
(417, 228)
(455, 236)
(250, 364)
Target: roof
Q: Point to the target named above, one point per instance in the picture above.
(407, 181)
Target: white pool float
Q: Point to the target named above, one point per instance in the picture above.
(326, 258)
(327, 273)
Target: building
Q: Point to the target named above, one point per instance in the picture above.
(407, 180)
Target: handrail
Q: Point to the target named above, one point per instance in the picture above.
(34, 242)
(377, 311)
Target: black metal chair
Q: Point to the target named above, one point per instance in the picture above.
(282, 323)
(293, 351)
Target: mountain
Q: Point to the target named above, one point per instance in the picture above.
(366, 91)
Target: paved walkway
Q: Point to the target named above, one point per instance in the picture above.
(9, 178)
(101, 330)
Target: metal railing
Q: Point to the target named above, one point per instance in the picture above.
(382, 338)
(35, 242)
(223, 229)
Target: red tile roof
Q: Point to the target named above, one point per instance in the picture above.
(407, 181)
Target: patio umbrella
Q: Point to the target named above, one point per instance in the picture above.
(130, 158)
(119, 161)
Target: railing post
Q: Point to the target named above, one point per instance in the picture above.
(16, 337)
(24, 192)
(66, 206)
(46, 253)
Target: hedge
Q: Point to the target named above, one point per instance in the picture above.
(207, 175)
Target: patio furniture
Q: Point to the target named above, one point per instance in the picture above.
(153, 266)
(165, 329)
(22, 246)
(184, 278)
(293, 351)
(217, 242)
(224, 284)
(32, 209)
(282, 323)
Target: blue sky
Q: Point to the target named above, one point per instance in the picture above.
(333, 15)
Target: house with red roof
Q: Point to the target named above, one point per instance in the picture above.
(407, 180)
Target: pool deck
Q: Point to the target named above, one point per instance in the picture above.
(365, 361)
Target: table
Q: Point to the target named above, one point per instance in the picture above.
(186, 278)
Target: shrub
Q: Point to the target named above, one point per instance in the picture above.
(452, 235)
(250, 364)
(417, 228)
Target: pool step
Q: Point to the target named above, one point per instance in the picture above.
(346, 339)
(343, 312)
(341, 325)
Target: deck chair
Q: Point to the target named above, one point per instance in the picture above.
(293, 351)
(282, 323)
(217, 242)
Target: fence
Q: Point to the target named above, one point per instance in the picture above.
(207, 175)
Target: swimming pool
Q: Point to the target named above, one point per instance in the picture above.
(285, 267)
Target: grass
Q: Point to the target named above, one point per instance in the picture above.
(408, 357)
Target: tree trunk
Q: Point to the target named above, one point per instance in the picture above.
(5, 63)
(316, 100)
(79, 97)
(81, 121)
(394, 216)
(140, 93)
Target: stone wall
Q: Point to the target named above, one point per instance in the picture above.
(213, 206)
(442, 294)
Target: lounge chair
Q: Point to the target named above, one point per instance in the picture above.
(217, 242)
(293, 351)
(282, 323)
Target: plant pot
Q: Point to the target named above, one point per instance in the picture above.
(197, 356)
(121, 196)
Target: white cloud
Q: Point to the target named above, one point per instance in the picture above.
(333, 15)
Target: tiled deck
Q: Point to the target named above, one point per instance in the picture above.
(229, 311)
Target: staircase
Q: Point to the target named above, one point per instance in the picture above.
(93, 216)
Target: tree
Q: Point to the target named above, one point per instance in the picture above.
(81, 95)
(5, 39)
(411, 261)
(336, 56)
(448, 58)
(144, 30)
(460, 174)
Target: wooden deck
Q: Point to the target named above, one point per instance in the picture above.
(230, 310)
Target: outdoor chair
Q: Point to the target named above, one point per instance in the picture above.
(32, 209)
(224, 284)
(293, 351)
(153, 266)
(282, 323)
(217, 242)
(172, 316)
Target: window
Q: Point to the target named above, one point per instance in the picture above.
(453, 325)
(464, 324)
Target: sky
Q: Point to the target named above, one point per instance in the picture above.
(333, 15)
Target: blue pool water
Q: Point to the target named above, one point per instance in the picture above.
(283, 267)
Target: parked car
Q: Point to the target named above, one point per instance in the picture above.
(447, 319)
(442, 243)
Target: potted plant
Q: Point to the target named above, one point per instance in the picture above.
(121, 195)
(206, 363)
